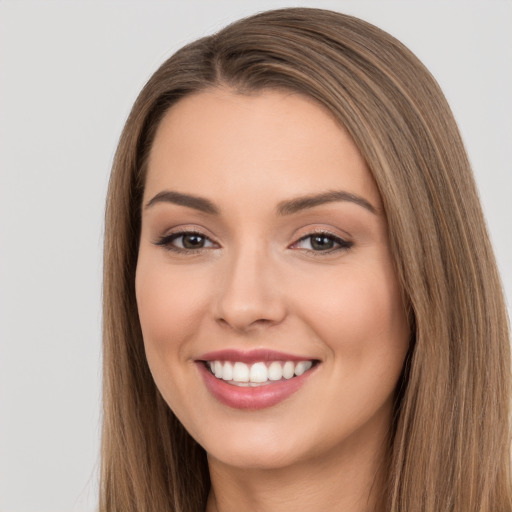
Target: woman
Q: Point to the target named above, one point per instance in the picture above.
(301, 304)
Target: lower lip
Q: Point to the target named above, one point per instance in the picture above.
(259, 397)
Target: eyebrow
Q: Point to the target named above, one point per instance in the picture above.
(287, 207)
(198, 203)
(302, 203)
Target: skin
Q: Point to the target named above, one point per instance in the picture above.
(259, 283)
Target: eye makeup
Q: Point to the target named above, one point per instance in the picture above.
(191, 242)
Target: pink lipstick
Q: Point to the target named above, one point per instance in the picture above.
(254, 379)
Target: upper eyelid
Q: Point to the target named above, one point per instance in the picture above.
(170, 237)
(322, 232)
(177, 234)
(193, 231)
(325, 231)
(344, 243)
(185, 230)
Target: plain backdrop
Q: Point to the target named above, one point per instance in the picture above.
(69, 73)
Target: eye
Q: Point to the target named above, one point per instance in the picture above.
(185, 241)
(322, 242)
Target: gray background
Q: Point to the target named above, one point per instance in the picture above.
(69, 73)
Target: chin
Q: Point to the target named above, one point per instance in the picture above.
(257, 456)
(263, 445)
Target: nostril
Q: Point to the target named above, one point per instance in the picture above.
(242, 324)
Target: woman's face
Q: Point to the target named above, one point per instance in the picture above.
(264, 254)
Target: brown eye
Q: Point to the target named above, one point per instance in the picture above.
(322, 242)
(185, 241)
(192, 241)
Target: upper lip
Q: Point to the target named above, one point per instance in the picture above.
(251, 356)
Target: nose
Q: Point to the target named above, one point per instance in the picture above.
(249, 295)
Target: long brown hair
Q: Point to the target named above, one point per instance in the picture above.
(449, 449)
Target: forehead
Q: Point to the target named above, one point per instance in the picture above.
(219, 140)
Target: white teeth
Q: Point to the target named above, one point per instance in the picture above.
(227, 371)
(288, 370)
(275, 371)
(217, 368)
(302, 367)
(240, 372)
(258, 373)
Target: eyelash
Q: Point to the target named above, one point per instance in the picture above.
(343, 245)
(167, 242)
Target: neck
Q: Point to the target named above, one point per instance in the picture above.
(348, 480)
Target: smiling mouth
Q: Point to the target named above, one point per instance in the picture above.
(257, 374)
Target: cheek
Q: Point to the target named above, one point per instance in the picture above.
(170, 305)
(363, 324)
(359, 315)
(167, 301)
